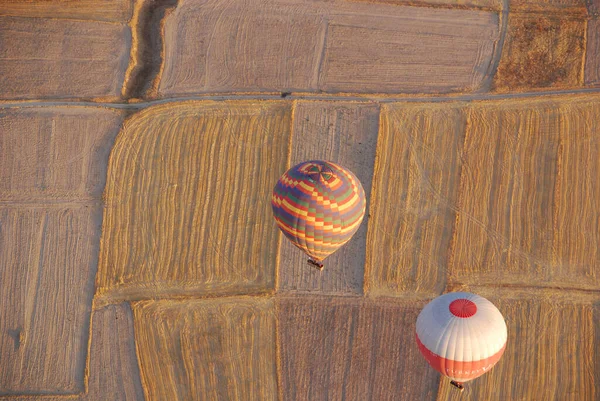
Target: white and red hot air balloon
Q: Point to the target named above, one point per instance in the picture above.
(461, 335)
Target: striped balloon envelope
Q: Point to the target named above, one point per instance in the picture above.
(461, 335)
(318, 205)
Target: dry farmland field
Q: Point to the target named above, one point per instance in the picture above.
(140, 141)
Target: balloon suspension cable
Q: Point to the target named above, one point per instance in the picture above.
(458, 385)
(316, 264)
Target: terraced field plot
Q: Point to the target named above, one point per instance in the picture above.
(140, 142)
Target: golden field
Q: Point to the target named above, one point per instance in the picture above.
(140, 142)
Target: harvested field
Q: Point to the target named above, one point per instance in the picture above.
(140, 142)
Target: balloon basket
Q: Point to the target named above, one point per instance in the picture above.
(314, 263)
(458, 385)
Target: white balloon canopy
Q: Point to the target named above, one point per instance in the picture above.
(462, 335)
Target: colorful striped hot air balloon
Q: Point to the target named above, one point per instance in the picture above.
(318, 205)
(461, 335)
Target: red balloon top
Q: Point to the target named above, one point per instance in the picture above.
(463, 308)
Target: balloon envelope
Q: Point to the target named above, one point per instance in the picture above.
(462, 335)
(318, 205)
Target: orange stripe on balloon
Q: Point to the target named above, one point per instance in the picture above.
(459, 370)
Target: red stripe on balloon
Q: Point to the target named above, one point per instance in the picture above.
(459, 370)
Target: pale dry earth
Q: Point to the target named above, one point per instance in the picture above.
(52, 174)
(348, 348)
(347, 133)
(62, 58)
(139, 144)
(94, 10)
(283, 45)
